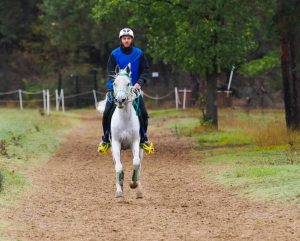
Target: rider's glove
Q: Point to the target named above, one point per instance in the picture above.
(137, 92)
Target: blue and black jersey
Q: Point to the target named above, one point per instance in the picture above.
(123, 56)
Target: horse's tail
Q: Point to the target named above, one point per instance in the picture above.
(101, 105)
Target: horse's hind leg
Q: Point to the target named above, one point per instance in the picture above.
(116, 152)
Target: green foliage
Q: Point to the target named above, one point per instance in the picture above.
(194, 35)
(16, 18)
(259, 66)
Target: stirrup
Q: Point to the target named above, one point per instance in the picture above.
(103, 147)
(148, 146)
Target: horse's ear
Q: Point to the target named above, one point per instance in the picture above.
(117, 69)
(128, 68)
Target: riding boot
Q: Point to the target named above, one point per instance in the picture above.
(143, 134)
(144, 142)
(105, 142)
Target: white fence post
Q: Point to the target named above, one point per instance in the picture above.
(44, 101)
(56, 100)
(176, 98)
(95, 98)
(48, 102)
(184, 98)
(62, 96)
(230, 80)
(20, 99)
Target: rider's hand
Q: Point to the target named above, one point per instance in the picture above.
(137, 86)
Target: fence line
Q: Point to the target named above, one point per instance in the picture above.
(157, 97)
(9, 92)
(60, 98)
(32, 93)
(79, 94)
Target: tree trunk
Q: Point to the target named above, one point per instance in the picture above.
(211, 104)
(291, 84)
(194, 88)
(289, 50)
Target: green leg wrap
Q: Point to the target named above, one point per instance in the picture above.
(120, 178)
(136, 175)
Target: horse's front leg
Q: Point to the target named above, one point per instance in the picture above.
(116, 153)
(135, 182)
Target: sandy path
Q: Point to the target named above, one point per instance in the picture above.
(73, 199)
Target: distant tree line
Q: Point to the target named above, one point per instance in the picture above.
(201, 38)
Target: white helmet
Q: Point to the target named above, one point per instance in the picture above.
(126, 32)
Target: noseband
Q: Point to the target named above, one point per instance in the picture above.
(130, 92)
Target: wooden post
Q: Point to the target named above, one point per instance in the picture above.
(20, 99)
(56, 100)
(176, 98)
(184, 98)
(48, 102)
(230, 80)
(95, 98)
(44, 101)
(62, 96)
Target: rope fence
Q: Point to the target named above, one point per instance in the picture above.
(59, 98)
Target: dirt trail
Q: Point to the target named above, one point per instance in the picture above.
(73, 199)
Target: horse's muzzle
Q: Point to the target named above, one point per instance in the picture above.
(120, 103)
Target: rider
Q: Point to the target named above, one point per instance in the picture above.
(122, 56)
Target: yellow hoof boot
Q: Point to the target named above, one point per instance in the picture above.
(103, 147)
(148, 147)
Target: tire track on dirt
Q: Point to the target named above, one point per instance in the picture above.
(73, 198)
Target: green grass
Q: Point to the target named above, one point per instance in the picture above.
(13, 184)
(173, 113)
(224, 138)
(276, 183)
(250, 151)
(28, 139)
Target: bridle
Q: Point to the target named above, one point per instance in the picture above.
(130, 92)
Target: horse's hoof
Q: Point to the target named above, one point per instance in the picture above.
(133, 185)
(119, 194)
(139, 195)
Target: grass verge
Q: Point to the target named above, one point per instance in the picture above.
(27, 139)
(253, 152)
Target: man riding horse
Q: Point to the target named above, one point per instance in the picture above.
(122, 56)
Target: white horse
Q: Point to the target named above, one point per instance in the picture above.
(125, 130)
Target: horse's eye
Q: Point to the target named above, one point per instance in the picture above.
(128, 84)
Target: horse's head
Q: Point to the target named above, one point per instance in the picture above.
(122, 86)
